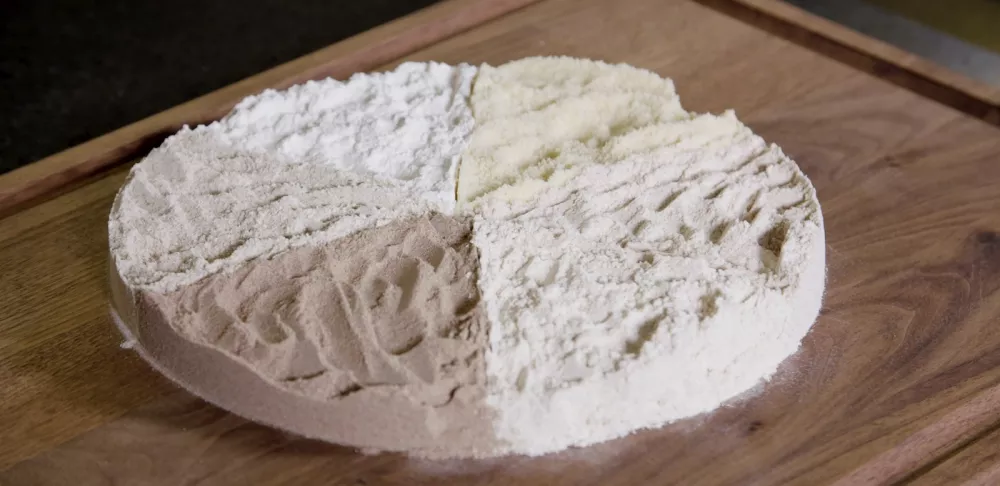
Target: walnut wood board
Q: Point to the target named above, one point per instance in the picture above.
(898, 380)
(977, 464)
(985, 93)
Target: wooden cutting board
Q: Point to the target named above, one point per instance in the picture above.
(899, 380)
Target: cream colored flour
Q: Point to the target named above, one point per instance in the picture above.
(539, 119)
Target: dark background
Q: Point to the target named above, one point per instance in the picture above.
(74, 70)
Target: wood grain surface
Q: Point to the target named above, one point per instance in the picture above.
(869, 54)
(877, 48)
(973, 21)
(359, 53)
(897, 381)
(976, 464)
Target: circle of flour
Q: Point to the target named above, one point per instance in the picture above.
(627, 263)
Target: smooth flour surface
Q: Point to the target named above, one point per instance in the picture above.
(469, 261)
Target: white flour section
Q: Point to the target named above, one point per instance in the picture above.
(287, 169)
(647, 290)
(410, 124)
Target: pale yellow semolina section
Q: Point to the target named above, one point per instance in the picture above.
(539, 120)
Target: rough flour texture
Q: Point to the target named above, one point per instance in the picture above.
(646, 291)
(628, 263)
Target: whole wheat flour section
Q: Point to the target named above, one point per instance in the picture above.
(374, 340)
(460, 261)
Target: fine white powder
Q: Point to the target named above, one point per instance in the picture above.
(408, 125)
(285, 169)
(638, 264)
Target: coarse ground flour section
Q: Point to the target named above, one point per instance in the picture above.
(637, 263)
